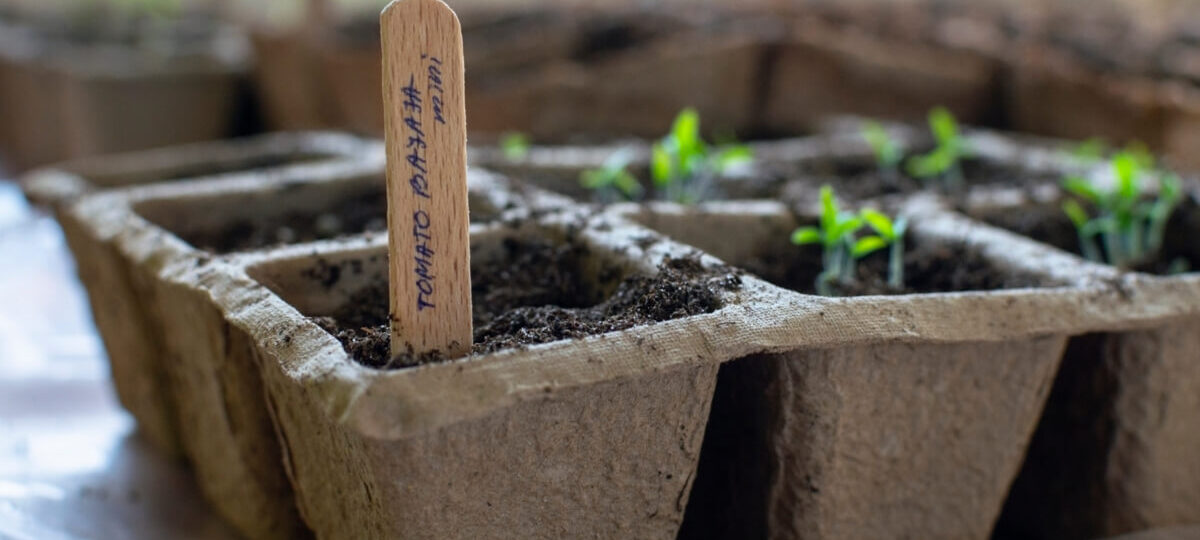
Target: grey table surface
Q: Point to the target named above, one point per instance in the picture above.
(72, 464)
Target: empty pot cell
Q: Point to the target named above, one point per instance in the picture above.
(286, 213)
(528, 287)
(1045, 221)
(936, 393)
(249, 156)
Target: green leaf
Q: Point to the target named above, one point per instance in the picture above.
(594, 178)
(943, 126)
(880, 222)
(844, 228)
(1075, 213)
(515, 145)
(829, 209)
(1169, 188)
(1126, 167)
(887, 154)
(866, 245)
(1092, 149)
(1082, 188)
(628, 185)
(930, 165)
(806, 235)
(732, 156)
(685, 129)
(660, 165)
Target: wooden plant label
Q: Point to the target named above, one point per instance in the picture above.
(425, 134)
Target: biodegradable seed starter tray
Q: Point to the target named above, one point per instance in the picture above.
(638, 370)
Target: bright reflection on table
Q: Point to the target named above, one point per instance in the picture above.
(71, 462)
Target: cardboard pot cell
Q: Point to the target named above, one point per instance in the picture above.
(170, 240)
(1115, 450)
(118, 291)
(819, 71)
(526, 440)
(286, 81)
(635, 92)
(275, 154)
(1052, 95)
(32, 132)
(880, 416)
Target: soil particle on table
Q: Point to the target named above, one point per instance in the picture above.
(539, 292)
(929, 267)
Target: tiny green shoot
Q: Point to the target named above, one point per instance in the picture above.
(683, 166)
(842, 247)
(1130, 228)
(888, 154)
(514, 145)
(613, 182)
(892, 234)
(943, 162)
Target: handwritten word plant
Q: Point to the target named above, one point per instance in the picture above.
(888, 154)
(842, 247)
(1129, 227)
(613, 182)
(683, 166)
(944, 161)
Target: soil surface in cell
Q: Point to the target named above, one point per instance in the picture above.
(859, 179)
(363, 213)
(538, 291)
(929, 267)
(1048, 224)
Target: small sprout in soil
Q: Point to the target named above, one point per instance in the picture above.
(888, 154)
(892, 234)
(683, 166)
(613, 181)
(943, 162)
(515, 145)
(837, 234)
(1130, 228)
(1091, 150)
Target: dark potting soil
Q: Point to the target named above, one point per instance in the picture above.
(928, 268)
(363, 213)
(1049, 225)
(539, 292)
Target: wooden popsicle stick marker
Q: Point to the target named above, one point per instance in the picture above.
(425, 134)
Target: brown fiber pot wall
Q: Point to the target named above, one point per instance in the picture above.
(286, 81)
(597, 436)
(1115, 450)
(879, 416)
(200, 366)
(820, 71)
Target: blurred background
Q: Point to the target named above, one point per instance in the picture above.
(89, 77)
(83, 77)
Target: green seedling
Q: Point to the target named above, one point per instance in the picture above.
(1090, 151)
(683, 166)
(891, 232)
(514, 145)
(612, 182)
(842, 248)
(1130, 228)
(888, 154)
(944, 161)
